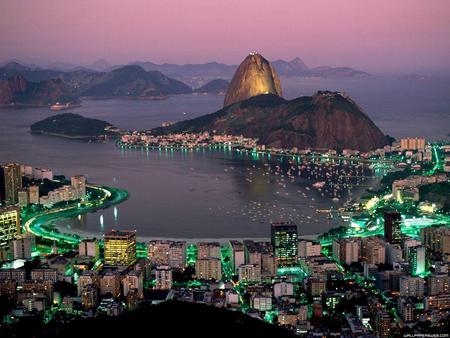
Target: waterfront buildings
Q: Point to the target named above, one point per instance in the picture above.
(412, 143)
(23, 247)
(208, 250)
(120, 248)
(285, 243)
(78, 183)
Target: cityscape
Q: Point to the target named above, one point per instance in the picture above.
(208, 199)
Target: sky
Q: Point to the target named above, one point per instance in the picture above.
(365, 34)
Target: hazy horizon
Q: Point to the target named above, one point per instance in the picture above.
(369, 35)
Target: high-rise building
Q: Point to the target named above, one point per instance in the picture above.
(89, 296)
(89, 248)
(159, 252)
(9, 224)
(110, 283)
(163, 275)
(285, 243)
(22, 197)
(79, 184)
(177, 255)
(249, 273)
(436, 239)
(383, 324)
(133, 280)
(438, 284)
(120, 248)
(373, 250)
(22, 247)
(392, 227)
(411, 286)
(33, 194)
(237, 255)
(208, 268)
(346, 250)
(417, 260)
(87, 277)
(13, 182)
(208, 250)
(308, 249)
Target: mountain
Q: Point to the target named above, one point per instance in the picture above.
(17, 90)
(70, 125)
(131, 81)
(289, 68)
(254, 76)
(217, 86)
(100, 65)
(328, 120)
(335, 73)
(209, 70)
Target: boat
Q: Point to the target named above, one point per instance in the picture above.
(59, 106)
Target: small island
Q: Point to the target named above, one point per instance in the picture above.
(73, 126)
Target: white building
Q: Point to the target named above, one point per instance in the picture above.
(283, 289)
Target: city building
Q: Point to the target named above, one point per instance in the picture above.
(417, 260)
(79, 184)
(23, 197)
(42, 174)
(89, 296)
(373, 250)
(208, 268)
(177, 255)
(13, 182)
(9, 224)
(89, 248)
(208, 250)
(438, 284)
(346, 250)
(308, 249)
(410, 143)
(110, 283)
(406, 309)
(282, 289)
(261, 302)
(133, 280)
(87, 277)
(392, 227)
(163, 275)
(436, 239)
(237, 255)
(33, 194)
(158, 252)
(120, 248)
(23, 247)
(284, 240)
(411, 286)
(249, 273)
(383, 324)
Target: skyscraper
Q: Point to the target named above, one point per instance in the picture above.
(120, 248)
(9, 224)
(13, 182)
(417, 260)
(392, 227)
(285, 242)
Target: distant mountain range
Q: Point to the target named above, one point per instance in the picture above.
(217, 86)
(326, 120)
(17, 90)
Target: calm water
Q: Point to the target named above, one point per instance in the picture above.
(209, 194)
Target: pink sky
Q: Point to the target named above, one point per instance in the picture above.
(368, 34)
